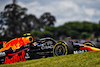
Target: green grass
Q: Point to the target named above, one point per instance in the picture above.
(87, 59)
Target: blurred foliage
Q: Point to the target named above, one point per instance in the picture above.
(41, 34)
(76, 30)
(47, 19)
(14, 21)
(85, 35)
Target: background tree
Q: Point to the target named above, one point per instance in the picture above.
(47, 19)
(12, 16)
(85, 35)
(41, 34)
(30, 22)
(14, 21)
(52, 30)
(76, 30)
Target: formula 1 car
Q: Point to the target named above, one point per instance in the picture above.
(45, 47)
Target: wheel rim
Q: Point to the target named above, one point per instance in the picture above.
(59, 50)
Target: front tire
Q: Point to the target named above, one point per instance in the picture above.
(93, 44)
(60, 49)
(89, 44)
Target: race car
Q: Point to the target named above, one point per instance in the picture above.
(42, 48)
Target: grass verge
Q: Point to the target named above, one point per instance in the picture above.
(87, 59)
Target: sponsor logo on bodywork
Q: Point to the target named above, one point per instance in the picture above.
(80, 51)
(15, 57)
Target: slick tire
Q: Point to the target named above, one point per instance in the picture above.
(92, 44)
(89, 44)
(61, 48)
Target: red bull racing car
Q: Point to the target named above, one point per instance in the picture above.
(25, 48)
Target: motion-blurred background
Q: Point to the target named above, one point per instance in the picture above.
(59, 19)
